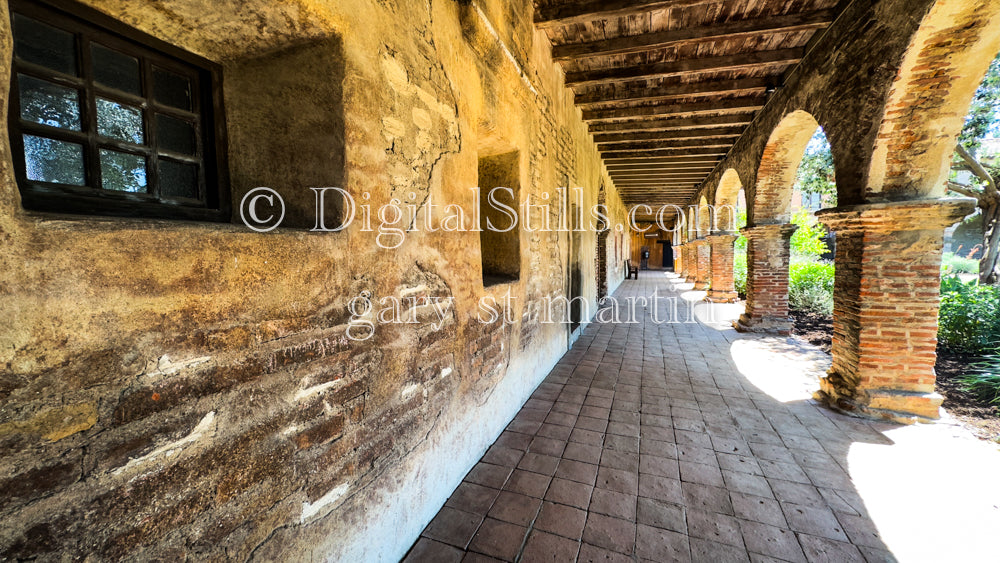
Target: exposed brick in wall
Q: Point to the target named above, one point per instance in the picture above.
(767, 279)
(929, 97)
(886, 301)
(722, 252)
(175, 390)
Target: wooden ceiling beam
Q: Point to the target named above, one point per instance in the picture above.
(665, 159)
(648, 153)
(656, 167)
(592, 10)
(659, 177)
(723, 132)
(733, 105)
(664, 93)
(671, 124)
(668, 144)
(685, 67)
(790, 23)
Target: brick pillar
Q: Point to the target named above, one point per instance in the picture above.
(767, 279)
(703, 258)
(692, 263)
(723, 289)
(686, 262)
(886, 297)
(678, 262)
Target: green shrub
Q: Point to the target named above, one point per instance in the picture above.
(984, 381)
(810, 286)
(952, 263)
(807, 241)
(969, 318)
(740, 272)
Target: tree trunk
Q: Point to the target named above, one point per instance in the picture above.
(991, 243)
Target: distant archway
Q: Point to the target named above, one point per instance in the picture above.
(778, 165)
(727, 196)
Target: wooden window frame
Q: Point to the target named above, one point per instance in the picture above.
(207, 111)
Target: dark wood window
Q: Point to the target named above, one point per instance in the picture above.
(105, 120)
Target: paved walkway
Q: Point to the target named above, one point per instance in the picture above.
(688, 441)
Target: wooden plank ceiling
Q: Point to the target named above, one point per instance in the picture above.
(667, 87)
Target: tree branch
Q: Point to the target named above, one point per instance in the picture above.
(979, 170)
(967, 191)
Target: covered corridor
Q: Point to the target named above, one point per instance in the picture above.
(689, 441)
(277, 274)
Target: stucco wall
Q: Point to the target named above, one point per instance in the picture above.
(178, 389)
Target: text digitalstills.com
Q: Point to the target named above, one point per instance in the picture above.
(262, 209)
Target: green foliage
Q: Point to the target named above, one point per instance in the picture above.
(810, 286)
(969, 318)
(984, 381)
(741, 221)
(952, 263)
(982, 118)
(816, 173)
(807, 241)
(740, 271)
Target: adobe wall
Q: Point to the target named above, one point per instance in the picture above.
(175, 389)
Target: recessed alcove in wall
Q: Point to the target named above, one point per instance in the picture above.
(285, 116)
(499, 240)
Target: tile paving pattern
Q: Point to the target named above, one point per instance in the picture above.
(645, 443)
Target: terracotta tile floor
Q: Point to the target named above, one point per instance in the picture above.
(690, 442)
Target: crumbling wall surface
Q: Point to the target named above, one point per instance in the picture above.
(177, 390)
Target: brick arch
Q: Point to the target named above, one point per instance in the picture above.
(727, 195)
(779, 162)
(704, 217)
(944, 64)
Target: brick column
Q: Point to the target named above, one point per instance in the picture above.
(678, 262)
(767, 279)
(686, 263)
(723, 289)
(692, 263)
(886, 297)
(703, 258)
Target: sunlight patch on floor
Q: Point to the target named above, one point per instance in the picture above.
(783, 368)
(934, 494)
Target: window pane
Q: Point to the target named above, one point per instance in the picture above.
(174, 134)
(41, 44)
(119, 121)
(115, 70)
(171, 89)
(49, 104)
(123, 172)
(178, 180)
(49, 160)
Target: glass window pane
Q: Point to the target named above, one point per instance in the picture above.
(49, 160)
(119, 121)
(178, 180)
(41, 44)
(115, 69)
(171, 89)
(175, 134)
(49, 104)
(123, 172)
